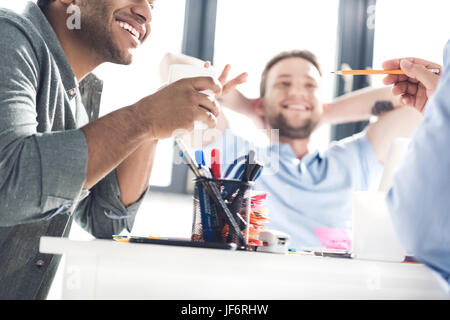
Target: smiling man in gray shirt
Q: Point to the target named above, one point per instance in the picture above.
(57, 160)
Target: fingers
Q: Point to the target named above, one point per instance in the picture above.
(418, 82)
(427, 64)
(204, 102)
(200, 91)
(205, 83)
(421, 98)
(394, 64)
(408, 100)
(230, 85)
(393, 78)
(420, 73)
(415, 70)
(206, 117)
(409, 93)
(404, 87)
(205, 111)
(224, 75)
(192, 104)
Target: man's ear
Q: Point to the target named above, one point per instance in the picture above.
(258, 106)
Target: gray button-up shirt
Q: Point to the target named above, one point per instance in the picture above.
(43, 155)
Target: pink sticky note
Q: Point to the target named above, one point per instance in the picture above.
(331, 238)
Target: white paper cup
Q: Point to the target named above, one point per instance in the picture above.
(181, 71)
(396, 154)
(373, 234)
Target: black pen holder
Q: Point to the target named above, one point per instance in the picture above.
(211, 221)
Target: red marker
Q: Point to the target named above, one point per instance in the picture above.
(215, 163)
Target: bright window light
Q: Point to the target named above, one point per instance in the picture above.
(249, 33)
(410, 28)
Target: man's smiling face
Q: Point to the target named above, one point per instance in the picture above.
(114, 29)
(292, 100)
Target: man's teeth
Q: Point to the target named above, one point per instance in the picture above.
(297, 107)
(129, 28)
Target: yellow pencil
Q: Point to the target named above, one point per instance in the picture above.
(365, 72)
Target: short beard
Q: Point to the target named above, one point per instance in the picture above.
(287, 131)
(96, 34)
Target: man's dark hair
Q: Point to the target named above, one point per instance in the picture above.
(304, 54)
(43, 4)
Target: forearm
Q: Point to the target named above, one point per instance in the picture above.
(110, 140)
(134, 172)
(251, 108)
(102, 213)
(236, 101)
(399, 123)
(357, 105)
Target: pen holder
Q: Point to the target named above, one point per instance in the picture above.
(210, 222)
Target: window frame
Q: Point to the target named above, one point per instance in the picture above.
(356, 36)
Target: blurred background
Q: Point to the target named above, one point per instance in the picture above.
(246, 34)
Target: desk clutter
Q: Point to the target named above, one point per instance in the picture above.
(229, 214)
(226, 209)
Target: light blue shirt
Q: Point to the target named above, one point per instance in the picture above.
(420, 197)
(314, 192)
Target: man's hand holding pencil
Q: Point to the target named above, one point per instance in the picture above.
(417, 84)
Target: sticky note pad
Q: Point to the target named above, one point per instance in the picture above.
(332, 238)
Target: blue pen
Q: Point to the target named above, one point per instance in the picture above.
(205, 208)
(210, 187)
(199, 158)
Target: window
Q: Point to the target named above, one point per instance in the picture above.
(249, 33)
(410, 28)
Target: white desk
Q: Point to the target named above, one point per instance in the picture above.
(102, 269)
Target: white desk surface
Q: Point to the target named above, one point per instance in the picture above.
(105, 269)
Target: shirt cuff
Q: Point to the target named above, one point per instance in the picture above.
(64, 157)
(107, 193)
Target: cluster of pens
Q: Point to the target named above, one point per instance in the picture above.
(221, 205)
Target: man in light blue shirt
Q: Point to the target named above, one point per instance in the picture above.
(310, 189)
(419, 199)
(312, 192)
